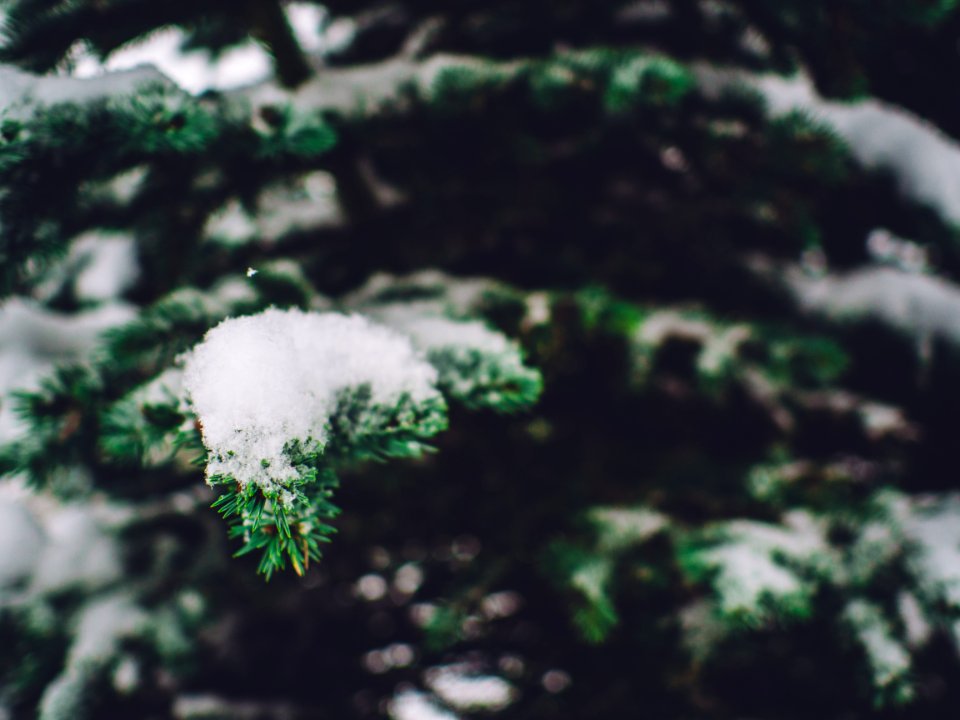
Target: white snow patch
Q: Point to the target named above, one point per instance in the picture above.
(702, 628)
(259, 381)
(408, 579)
(885, 247)
(47, 546)
(99, 265)
(919, 306)
(21, 92)
(165, 389)
(34, 339)
(108, 265)
(21, 542)
(719, 343)
(747, 575)
(619, 528)
(455, 346)
(413, 705)
(889, 660)
(360, 89)
(431, 332)
(79, 551)
(220, 300)
(231, 225)
(877, 544)
(470, 692)
(751, 564)
(102, 625)
(924, 161)
(444, 295)
(124, 187)
(933, 526)
(126, 676)
(194, 71)
(917, 628)
(306, 204)
(307, 21)
(592, 578)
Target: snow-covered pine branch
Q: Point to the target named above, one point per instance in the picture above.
(283, 397)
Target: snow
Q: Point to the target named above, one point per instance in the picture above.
(259, 381)
(193, 71)
(443, 295)
(889, 660)
(644, 11)
(467, 692)
(919, 306)
(79, 552)
(413, 705)
(620, 528)
(231, 225)
(877, 545)
(220, 300)
(472, 359)
(924, 161)
(750, 564)
(431, 332)
(354, 90)
(34, 339)
(307, 22)
(309, 204)
(21, 92)
(408, 579)
(209, 707)
(123, 187)
(371, 587)
(592, 578)
(932, 524)
(47, 546)
(64, 697)
(165, 389)
(126, 676)
(20, 543)
(108, 265)
(702, 628)
(501, 604)
(885, 247)
(99, 265)
(917, 629)
(196, 71)
(305, 204)
(719, 342)
(102, 625)
(747, 575)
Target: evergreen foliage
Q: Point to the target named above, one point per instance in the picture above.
(534, 360)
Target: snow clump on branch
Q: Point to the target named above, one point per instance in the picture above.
(261, 381)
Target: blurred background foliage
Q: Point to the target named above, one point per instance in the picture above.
(726, 233)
